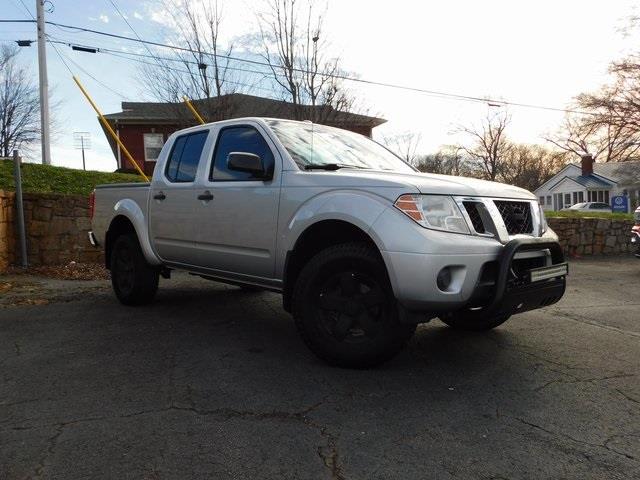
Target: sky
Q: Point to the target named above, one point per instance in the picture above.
(543, 52)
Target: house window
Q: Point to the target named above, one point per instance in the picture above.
(606, 196)
(580, 197)
(567, 200)
(558, 201)
(575, 198)
(548, 199)
(152, 145)
(541, 200)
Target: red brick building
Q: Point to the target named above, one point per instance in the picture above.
(144, 126)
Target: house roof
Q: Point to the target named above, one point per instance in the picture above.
(237, 105)
(587, 181)
(604, 175)
(590, 181)
(618, 172)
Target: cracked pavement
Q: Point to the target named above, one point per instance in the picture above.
(213, 382)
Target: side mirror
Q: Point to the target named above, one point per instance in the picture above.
(247, 162)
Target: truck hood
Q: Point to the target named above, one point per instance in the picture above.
(441, 184)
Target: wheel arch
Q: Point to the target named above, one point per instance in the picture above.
(313, 239)
(123, 222)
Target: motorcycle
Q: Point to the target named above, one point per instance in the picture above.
(635, 233)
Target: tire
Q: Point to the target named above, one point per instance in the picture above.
(344, 308)
(473, 321)
(134, 281)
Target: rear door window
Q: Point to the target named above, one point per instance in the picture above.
(184, 158)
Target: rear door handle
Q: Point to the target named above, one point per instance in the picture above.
(206, 196)
(159, 196)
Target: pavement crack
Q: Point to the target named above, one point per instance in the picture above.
(330, 456)
(328, 453)
(628, 397)
(52, 442)
(581, 319)
(575, 380)
(18, 350)
(604, 445)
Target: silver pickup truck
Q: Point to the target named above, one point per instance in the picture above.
(361, 246)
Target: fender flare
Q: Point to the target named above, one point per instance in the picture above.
(358, 208)
(131, 210)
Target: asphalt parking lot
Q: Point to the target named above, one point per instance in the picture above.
(213, 382)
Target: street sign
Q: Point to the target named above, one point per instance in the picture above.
(620, 204)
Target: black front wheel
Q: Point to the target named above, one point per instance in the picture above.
(345, 309)
(134, 281)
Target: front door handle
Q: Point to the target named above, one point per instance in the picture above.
(159, 196)
(206, 196)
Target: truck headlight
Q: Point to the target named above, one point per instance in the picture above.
(439, 212)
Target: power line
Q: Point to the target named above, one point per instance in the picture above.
(83, 70)
(454, 96)
(126, 56)
(173, 69)
(27, 9)
(167, 59)
(133, 30)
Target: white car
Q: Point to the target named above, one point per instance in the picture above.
(590, 207)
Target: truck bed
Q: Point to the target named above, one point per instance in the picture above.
(108, 195)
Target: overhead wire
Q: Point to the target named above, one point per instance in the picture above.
(436, 93)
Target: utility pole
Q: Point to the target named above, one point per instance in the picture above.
(82, 142)
(44, 85)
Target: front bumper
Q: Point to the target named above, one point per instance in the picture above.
(498, 281)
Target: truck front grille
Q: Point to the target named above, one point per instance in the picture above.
(516, 216)
(474, 216)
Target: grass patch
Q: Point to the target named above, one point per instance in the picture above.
(578, 214)
(38, 178)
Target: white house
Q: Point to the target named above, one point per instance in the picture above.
(591, 182)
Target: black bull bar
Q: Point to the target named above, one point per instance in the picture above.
(528, 294)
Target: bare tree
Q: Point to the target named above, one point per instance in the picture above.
(529, 166)
(301, 67)
(19, 104)
(202, 72)
(610, 129)
(488, 144)
(405, 145)
(449, 160)
(605, 136)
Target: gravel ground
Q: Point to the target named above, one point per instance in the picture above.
(213, 382)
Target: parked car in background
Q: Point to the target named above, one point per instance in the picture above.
(590, 207)
(361, 246)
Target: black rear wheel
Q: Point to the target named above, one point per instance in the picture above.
(345, 310)
(134, 281)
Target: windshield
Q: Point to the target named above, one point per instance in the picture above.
(311, 144)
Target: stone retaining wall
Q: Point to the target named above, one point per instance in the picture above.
(56, 226)
(7, 237)
(592, 236)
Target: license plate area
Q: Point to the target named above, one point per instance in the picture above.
(546, 273)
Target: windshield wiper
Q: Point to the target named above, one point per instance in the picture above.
(329, 166)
